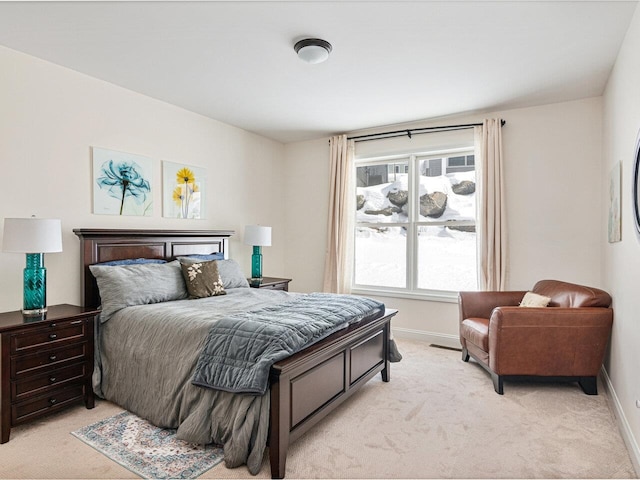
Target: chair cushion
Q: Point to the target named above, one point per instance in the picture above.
(476, 331)
(564, 294)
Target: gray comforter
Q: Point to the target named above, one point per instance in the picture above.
(241, 348)
(147, 358)
(146, 362)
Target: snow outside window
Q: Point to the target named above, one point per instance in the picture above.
(415, 224)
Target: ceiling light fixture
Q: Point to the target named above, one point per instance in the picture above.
(313, 50)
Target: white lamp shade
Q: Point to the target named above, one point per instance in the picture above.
(257, 235)
(32, 235)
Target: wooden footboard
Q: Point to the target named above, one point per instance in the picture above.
(312, 383)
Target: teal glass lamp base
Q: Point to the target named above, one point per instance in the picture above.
(256, 265)
(35, 285)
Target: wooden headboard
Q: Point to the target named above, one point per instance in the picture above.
(103, 245)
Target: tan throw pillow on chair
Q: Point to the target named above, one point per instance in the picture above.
(531, 299)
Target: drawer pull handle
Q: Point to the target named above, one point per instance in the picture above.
(53, 325)
(53, 336)
(52, 401)
(52, 357)
(52, 379)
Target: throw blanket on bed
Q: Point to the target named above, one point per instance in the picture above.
(240, 349)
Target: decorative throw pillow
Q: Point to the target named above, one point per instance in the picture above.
(531, 299)
(230, 271)
(202, 279)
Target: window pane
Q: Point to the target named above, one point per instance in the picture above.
(380, 256)
(447, 197)
(382, 193)
(447, 258)
(431, 168)
(456, 161)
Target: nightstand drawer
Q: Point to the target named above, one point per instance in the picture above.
(47, 361)
(48, 337)
(35, 385)
(54, 400)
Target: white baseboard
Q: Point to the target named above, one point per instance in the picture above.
(442, 339)
(623, 424)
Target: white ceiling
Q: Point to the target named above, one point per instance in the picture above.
(392, 61)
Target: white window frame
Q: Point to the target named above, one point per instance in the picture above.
(411, 290)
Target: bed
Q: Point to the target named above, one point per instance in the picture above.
(302, 388)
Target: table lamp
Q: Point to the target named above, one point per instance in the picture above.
(259, 237)
(35, 237)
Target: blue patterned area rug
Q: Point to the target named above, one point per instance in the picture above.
(148, 451)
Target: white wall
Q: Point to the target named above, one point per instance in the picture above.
(306, 178)
(553, 158)
(621, 261)
(50, 117)
(553, 190)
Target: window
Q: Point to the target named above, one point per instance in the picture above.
(415, 223)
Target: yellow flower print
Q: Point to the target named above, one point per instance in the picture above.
(186, 192)
(178, 196)
(185, 175)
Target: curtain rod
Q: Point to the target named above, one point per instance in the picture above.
(415, 131)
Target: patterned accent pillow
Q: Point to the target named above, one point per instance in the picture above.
(230, 271)
(202, 279)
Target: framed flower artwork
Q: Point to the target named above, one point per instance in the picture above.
(122, 183)
(184, 189)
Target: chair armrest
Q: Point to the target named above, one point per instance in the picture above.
(481, 304)
(548, 341)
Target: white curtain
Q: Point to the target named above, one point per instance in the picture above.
(339, 254)
(491, 224)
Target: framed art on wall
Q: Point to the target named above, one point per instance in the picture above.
(614, 204)
(184, 189)
(122, 183)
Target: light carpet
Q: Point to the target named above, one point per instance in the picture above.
(438, 418)
(147, 450)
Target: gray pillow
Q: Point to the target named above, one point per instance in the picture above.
(232, 276)
(126, 285)
(203, 256)
(132, 261)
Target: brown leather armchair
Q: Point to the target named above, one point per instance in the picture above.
(565, 340)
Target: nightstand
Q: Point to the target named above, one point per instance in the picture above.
(272, 283)
(46, 363)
